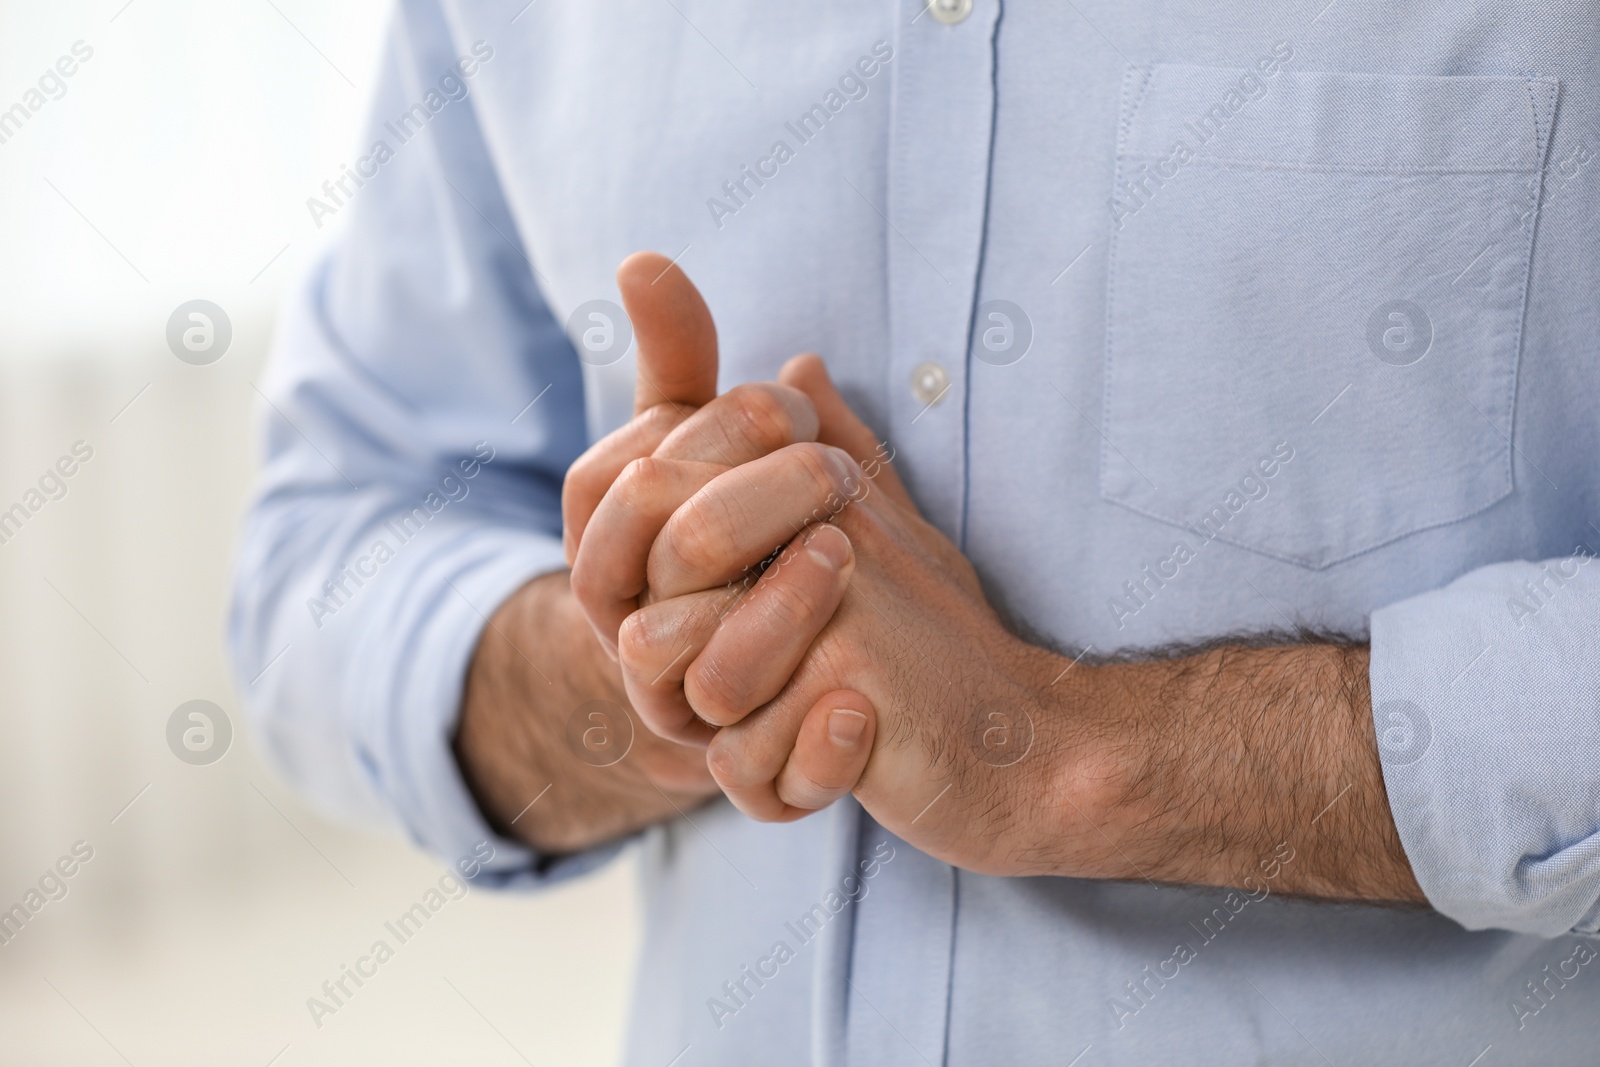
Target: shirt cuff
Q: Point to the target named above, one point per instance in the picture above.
(1483, 697)
(404, 692)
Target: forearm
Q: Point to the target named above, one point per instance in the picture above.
(536, 664)
(1219, 758)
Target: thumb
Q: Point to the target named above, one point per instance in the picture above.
(676, 335)
(842, 427)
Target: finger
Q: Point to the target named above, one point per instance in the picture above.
(778, 769)
(673, 767)
(745, 423)
(592, 474)
(608, 573)
(763, 637)
(841, 426)
(748, 513)
(656, 645)
(676, 336)
(831, 753)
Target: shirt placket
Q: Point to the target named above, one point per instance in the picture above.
(936, 194)
(940, 139)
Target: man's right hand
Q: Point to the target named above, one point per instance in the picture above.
(514, 736)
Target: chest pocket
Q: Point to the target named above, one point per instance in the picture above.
(1315, 301)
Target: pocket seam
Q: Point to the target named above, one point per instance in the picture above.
(1335, 168)
(1552, 90)
(1130, 108)
(1533, 154)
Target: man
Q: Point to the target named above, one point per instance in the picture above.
(1233, 358)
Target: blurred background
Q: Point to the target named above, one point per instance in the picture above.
(173, 165)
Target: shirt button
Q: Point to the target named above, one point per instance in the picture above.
(929, 383)
(950, 12)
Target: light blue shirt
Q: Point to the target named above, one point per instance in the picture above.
(1183, 321)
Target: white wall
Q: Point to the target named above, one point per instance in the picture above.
(216, 903)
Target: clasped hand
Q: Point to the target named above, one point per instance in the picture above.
(761, 574)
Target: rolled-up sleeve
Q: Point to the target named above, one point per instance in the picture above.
(1486, 702)
(418, 416)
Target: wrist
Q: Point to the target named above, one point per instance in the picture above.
(1057, 741)
(536, 664)
(498, 745)
(1090, 767)
(1153, 774)
(1129, 790)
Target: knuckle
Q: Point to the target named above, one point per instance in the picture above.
(821, 465)
(580, 475)
(796, 788)
(639, 480)
(815, 786)
(726, 760)
(658, 420)
(584, 583)
(636, 643)
(788, 604)
(720, 696)
(694, 538)
(759, 418)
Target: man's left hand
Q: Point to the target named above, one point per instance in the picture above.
(913, 640)
(987, 752)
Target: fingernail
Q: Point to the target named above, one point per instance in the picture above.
(845, 726)
(829, 546)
